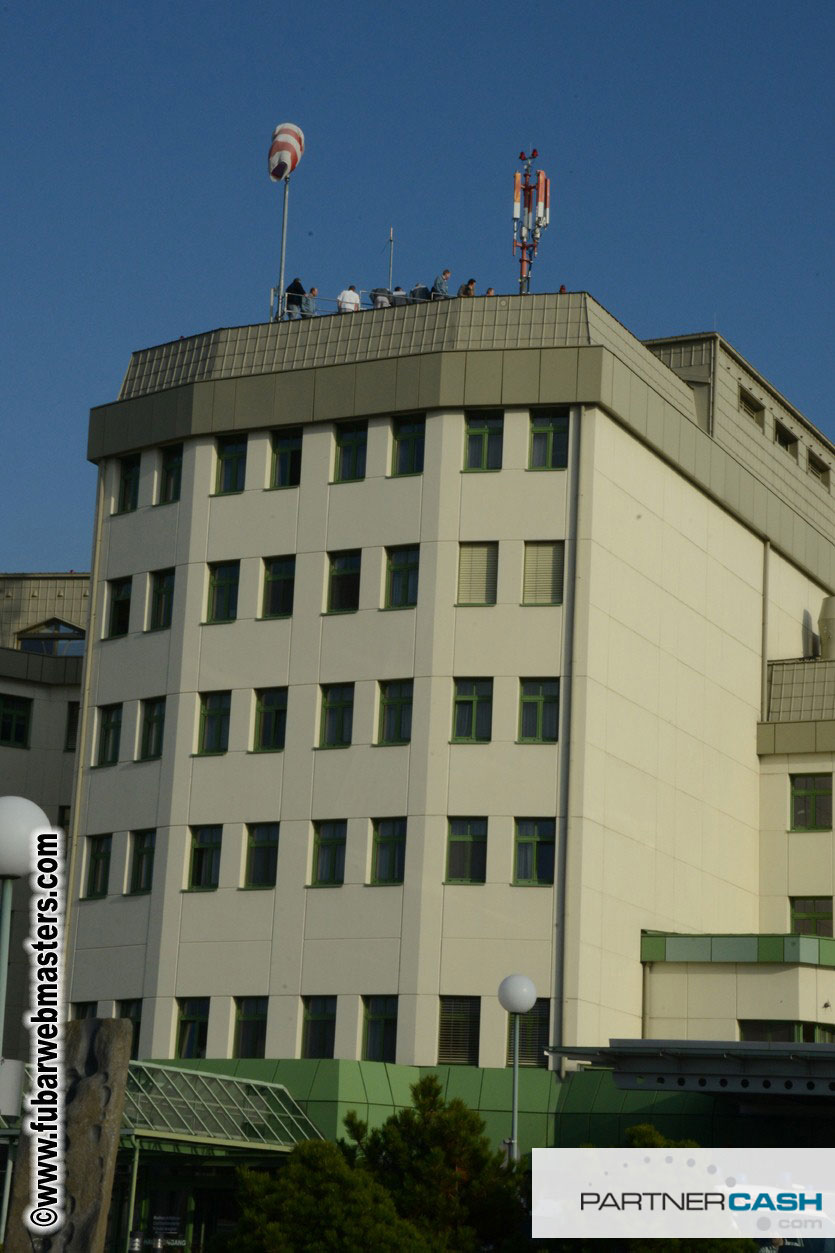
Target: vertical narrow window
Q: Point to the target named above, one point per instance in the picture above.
(344, 583)
(162, 599)
(132, 1011)
(262, 854)
(15, 721)
(223, 591)
(818, 469)
(549, 439)
(64, 818)
(270, 719)
(214, 722)
(351, 441)
(287, 457)
(811, 915)
(153, 728)
(337, 715)
(543, 578)
(142, 861)
(539, 704)
(389, 853)
(380, 1034)
(786, 439)
(478, 567)
(128, 495)
(231, 464)
(79, 1010)
(396, 711)
(402, 576)
(250, 1026)
(118, 618)
(279, 584)
(473, 714)
(534, 851)
(329, 853)
(484, 433)
(460, 1022)
(811, 802)
(409, 436)
(110, 733)
(319, 1028)
(533, 1035)
(98, 865)
(204, 871)
(71, 728)
(752, 407)
(467, 850)
(193, 1026)
(171, 474)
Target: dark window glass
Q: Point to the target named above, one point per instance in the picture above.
(132, 1010)
(250, 1026)
(270, 719)
(193, 1027)
(396, 711)
(15, 721)
(811, 801)
(467, 850)
(329, 853)
(351, 440)
(214, 722)
(534, 861)
(223, 591)
(279, 582)
(811, 915)
(110, 732)
(231, 464)
(402, 576)
(549, 439)
(539, 711)
(344, 584)
(162, 599)
(119, 617)
(389, 857)
(262, 855)
(380, 1043)
(287, 457)
(128, 497)
(142, 861)
(171, 474)
(205, 857)
(473, 717)
(408, 446)
(319, 1026)
(337, 715)
(153, 727)
(98, 865)
(484, 441)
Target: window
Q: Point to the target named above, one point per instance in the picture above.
(549, 439)
(64, 818)
(15, 721)
(467, 850)
(811, 801)
(539, 705)
(460, 1020)
(337, 715)
(319, 1026)
(110, 732)
(193, 1026)
(389, 853)
(396, 711)
(543, 578)
(231, 464)
(279, 582)
(788, 1032)
(162, 599)
(534, 854)
(752, 407)
(484, 441)
(408, 446)
(344, 584)
(811, 915)
(153, 726)
(351, 440)
(204, 872)
(270, 719)
(128, 495)
(262, 854)
(119, 617)
(380, 1035)
(533, 1035)
(214, 722)
(329, 853)
(786, 439)
(223, 591)
(171, 474)
(98, 865)
(132, 1010)
(287, 457)
(402, 576)
(142, 862)
(478, 566)
(52, 638)
(818, 469)
(250, 1026)
(473, 716)
(79, 1010)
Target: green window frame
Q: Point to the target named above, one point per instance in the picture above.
(71, 726)
(329, 839)
(533, 1035)
(402, 568)
(780, 1031)
(214, 722)
(379, 1029)
(250, 1026)
(287, 457)
(337, 715)
(204, 868)
(549, 439)
(153, 728)
(171, 474)
(270, 719)
(132, 1012)
(396, 711)
(389, 851)
(539, 711)
(459, 1027)
(279, 586)
(143, 846)
(127, 500)
(811, 915)
(231, 464)
(467, 850)
(484, 437)
(222, 605)
(811, 802)
(344, 581)
(533, 854)
(262, 855)
(192, 1026)
(98, 866)
(409, 439)
(118, 618)
(319, 1026)
(162, 599)
(473, 711)
(542, 582)
(351, 444)
(110, 734)
(15, 721)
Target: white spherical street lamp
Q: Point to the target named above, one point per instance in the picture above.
(517, 995)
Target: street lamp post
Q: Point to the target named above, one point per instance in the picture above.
(517, 995)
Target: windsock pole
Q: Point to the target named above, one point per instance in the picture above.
(285, 153)
(281, 296)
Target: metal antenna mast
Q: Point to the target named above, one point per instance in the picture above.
(531, 214)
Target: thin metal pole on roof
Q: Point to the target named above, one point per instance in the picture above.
(281, 296)
(391, 254)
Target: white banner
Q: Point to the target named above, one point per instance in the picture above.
(600, 1194)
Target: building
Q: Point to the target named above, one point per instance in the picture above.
(441, 642)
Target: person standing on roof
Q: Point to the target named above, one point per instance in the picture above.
(440, 288)
(308, 306)
(348, 301)
(468, 288)
(293, 299)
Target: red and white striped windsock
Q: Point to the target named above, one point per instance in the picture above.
(285, 150)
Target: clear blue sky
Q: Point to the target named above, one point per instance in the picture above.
(689, 147)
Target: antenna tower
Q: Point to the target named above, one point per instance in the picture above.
(531, 214)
